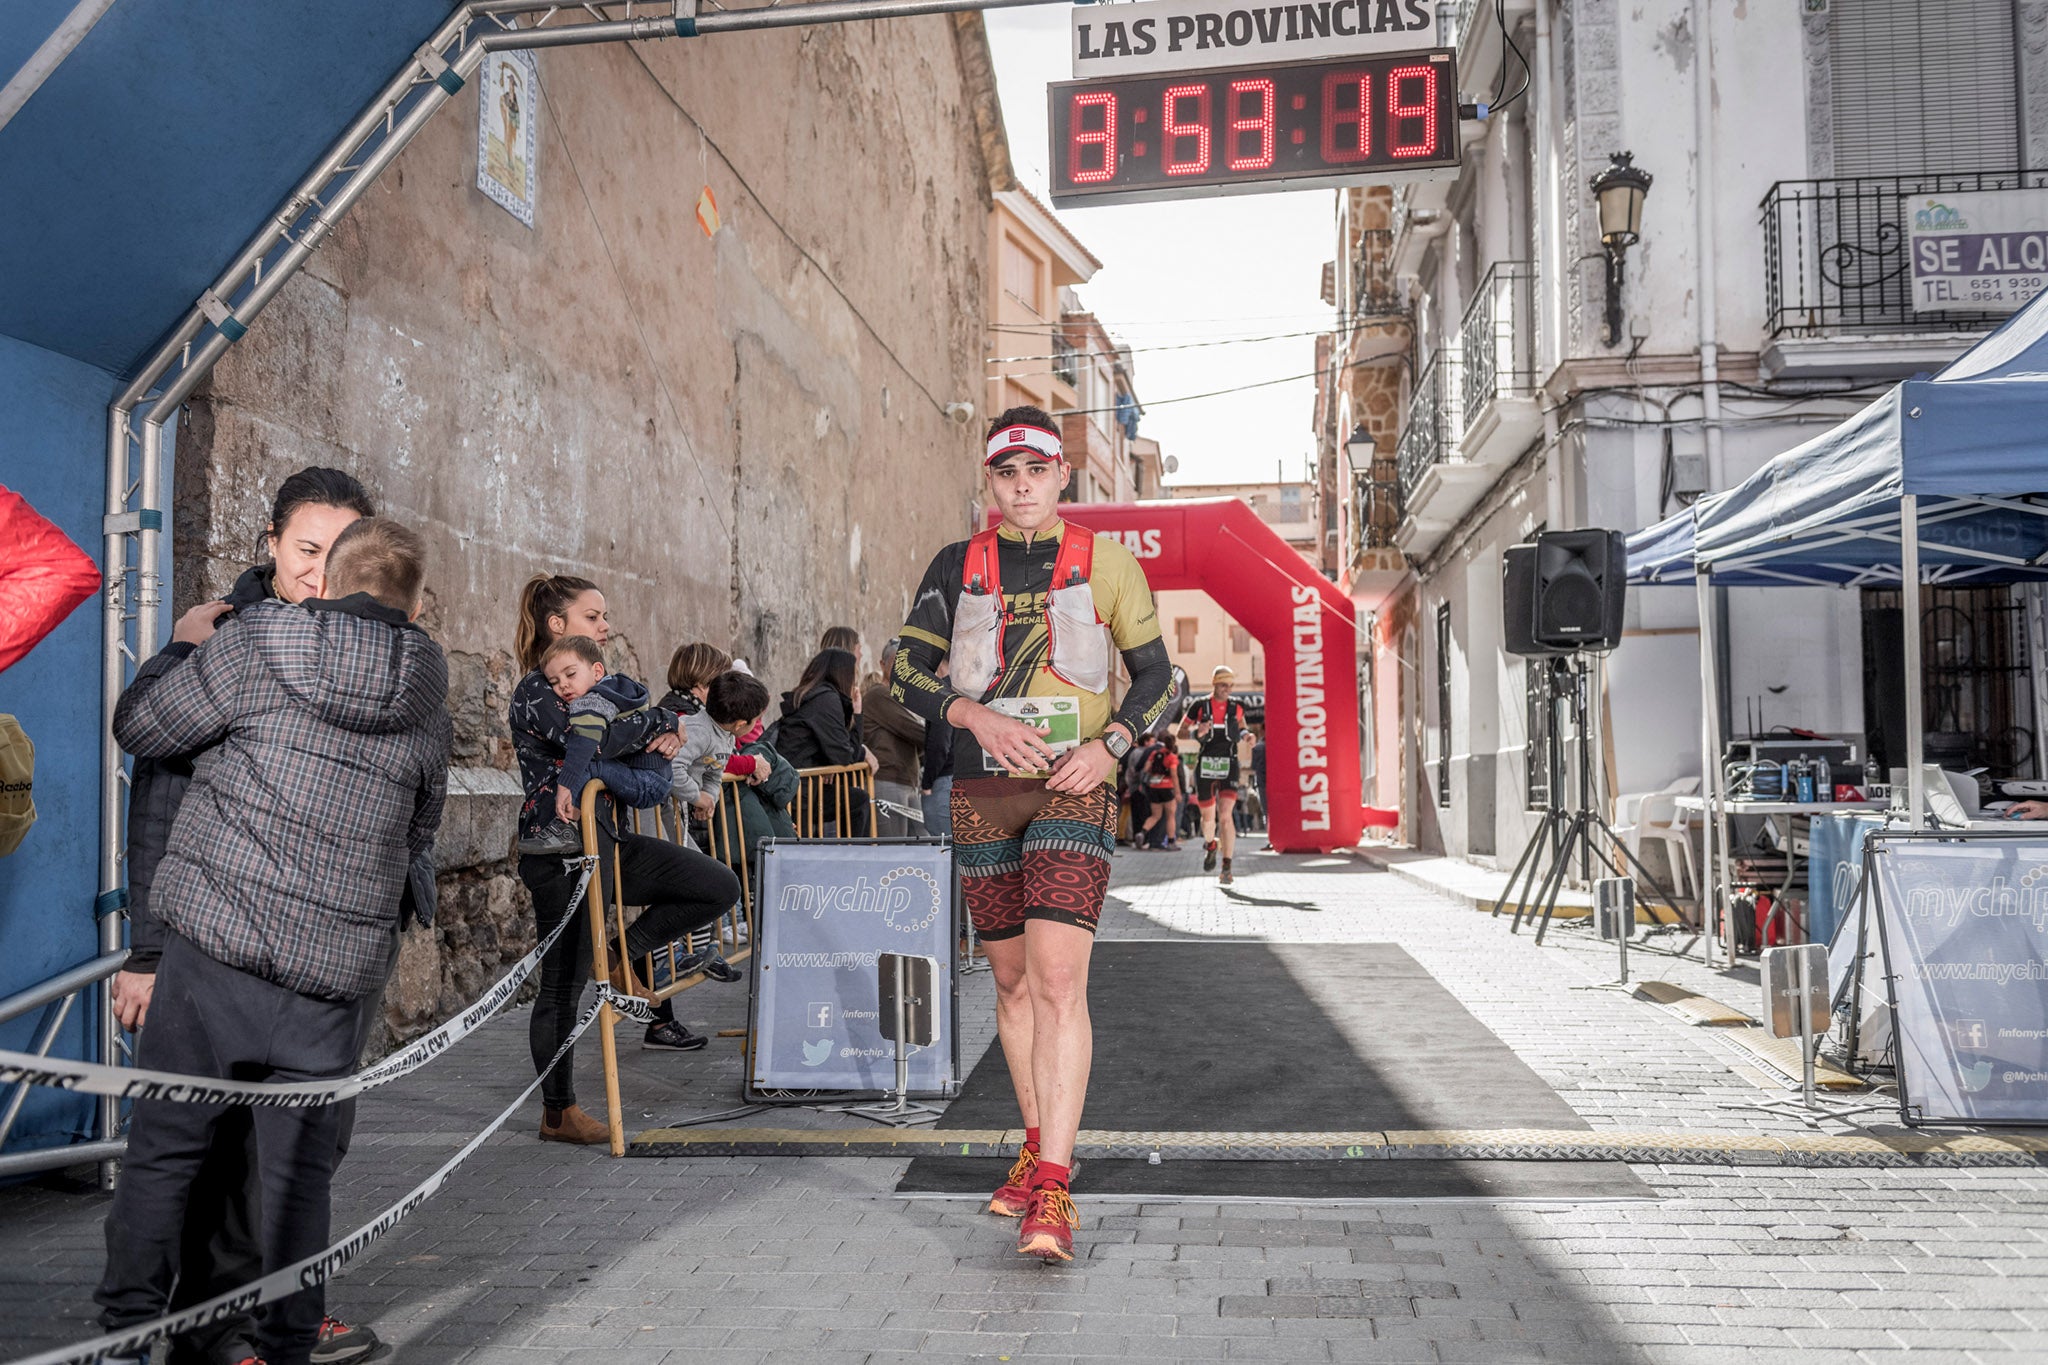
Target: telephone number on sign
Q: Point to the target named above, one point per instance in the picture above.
(2012, 290)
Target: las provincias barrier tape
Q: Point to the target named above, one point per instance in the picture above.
(125, 1082)
(324, 1265)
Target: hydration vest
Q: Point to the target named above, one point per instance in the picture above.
(1227, 725)
(1220, 714)
(1077, 645)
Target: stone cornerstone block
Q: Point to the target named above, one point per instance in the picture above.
(483, 811)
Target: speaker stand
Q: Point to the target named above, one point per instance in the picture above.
(1563, 831)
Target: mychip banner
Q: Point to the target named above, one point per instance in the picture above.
(828, 910)
(1964, 921)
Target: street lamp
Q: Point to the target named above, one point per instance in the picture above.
(1359, 447)
(1619, 190)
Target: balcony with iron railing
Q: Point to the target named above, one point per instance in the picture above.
(1838, 286)
(1497, 339)
(1063, 353)
(1376, 293)
(1439, 479)
(1376, 512)
(1377, 566)
(1429, 436)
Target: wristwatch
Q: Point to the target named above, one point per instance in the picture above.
(1117, 742)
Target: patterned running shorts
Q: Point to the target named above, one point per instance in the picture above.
(1027, 853)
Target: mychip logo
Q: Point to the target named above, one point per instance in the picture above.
(907, 899)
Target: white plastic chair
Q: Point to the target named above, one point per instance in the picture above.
(1654, 817)
(1663, 822)
(1628, 808)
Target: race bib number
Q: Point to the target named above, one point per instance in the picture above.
(1212, 768)
(1056, 718)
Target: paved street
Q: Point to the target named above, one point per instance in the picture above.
(542, 1253)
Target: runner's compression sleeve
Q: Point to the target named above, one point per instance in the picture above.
(926, 637)
(1151, 686)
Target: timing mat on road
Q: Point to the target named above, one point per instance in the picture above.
(1484, 1148)
(1238, 1063)
(1313, 1071)
(1197, 1037)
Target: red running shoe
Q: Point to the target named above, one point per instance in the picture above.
(341, 1344)
(1011, 1200)
(1048, 1230)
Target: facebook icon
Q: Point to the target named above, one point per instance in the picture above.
(818, 1014)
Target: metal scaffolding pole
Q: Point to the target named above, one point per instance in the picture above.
(135, 506)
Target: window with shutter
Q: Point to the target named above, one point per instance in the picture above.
(1921, 88)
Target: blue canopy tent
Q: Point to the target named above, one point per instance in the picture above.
(1941, 480)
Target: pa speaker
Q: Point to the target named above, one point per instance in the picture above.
(1518, 603)
(1580, 580)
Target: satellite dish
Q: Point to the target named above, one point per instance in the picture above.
(1172, 464)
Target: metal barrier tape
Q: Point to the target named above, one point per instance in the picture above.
(125, 1082)
(322, 1266)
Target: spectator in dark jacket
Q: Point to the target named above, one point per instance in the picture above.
(43, 577)
(681, 889)
(280, 910)
(309, 510)
(820, 724)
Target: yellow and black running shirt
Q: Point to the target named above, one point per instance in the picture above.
(1123, 599)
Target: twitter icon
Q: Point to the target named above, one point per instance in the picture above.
(816, 1054)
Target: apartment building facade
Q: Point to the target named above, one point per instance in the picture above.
(1048, 350)
(1493, 374)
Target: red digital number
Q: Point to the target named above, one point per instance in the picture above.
(1080, 137)
(1260, 124)
(1358, 118)
(1173, 131)
(1426, 111)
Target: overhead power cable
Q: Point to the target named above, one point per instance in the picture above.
(1233, 327)
(1150, 350)
(1240, 388)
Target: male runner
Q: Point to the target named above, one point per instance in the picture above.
(1026, 615)
(1218, 724)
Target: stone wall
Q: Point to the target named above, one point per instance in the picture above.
(740, 437)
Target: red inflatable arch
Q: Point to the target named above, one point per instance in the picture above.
(1306, 627)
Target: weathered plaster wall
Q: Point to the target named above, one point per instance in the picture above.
(740, 438)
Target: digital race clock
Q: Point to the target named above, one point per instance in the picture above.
(1243, 129)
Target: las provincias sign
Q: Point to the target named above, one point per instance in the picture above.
(1185, 35)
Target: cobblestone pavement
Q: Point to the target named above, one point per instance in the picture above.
(540, 1253)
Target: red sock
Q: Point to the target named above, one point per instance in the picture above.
(1031, 1141)
(1049, 1174)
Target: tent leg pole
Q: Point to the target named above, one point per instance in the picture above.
(1710, 748)
(1710, 673)
(1909, 599)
